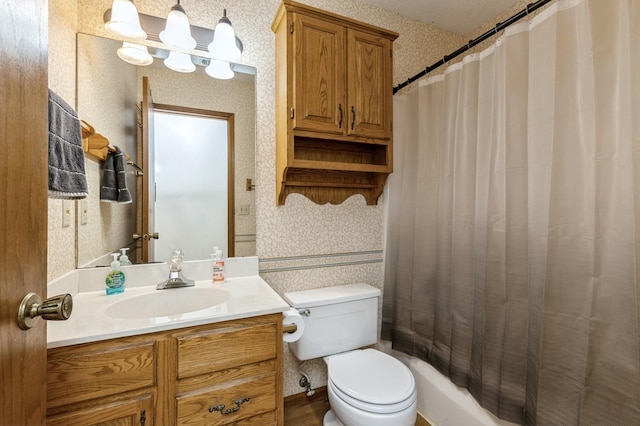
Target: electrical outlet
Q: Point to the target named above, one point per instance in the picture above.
(244, 209)
(66, 213)
(84, 214)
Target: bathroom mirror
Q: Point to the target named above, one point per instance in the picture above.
(109, 93)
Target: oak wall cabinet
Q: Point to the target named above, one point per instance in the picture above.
(217, 374)
(333, 105)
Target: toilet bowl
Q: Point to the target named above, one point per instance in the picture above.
(366, 387)
(369, 388)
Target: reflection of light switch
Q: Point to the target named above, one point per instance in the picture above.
(84, 215)
(66, 213)
(243, 209)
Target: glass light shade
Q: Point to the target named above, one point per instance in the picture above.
(177, 33)
(125, 21)
(223, 46)
(180, 62)
(135, 54)
(219, 69)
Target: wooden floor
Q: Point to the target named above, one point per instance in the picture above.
(300, 410)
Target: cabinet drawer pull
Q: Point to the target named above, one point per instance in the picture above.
(220, 407)
(341, 115)
(353, 116)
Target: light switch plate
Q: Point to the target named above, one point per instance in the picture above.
(66, 213)
(243, 209)
(84, 214)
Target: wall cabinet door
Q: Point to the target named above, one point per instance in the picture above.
(341, 86)
(319, 97)
(369, 85)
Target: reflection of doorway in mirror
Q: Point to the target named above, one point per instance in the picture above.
(192, 183)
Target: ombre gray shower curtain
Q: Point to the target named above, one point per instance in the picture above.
(513, 223)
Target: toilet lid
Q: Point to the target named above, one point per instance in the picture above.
(371, 376)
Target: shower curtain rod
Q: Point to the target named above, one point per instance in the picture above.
(499, 27)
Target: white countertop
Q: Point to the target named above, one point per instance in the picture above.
(250, 296)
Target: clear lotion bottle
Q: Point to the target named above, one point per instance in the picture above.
(218, 266)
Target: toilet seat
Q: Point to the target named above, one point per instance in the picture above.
(373, 408)
(371, 381)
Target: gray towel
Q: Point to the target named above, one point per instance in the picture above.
(67, 179)
(114, 181)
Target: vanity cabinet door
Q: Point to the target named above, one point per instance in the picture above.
(136, 412)
(84, 372)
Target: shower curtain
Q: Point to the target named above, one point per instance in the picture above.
(513, 222)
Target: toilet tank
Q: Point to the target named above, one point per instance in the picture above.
(336, 319)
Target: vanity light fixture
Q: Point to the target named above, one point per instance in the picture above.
(177, 33)
(180, 62)
(180, 38)
(225, 43)
(135, 54)
(125, 21)
(219, 69)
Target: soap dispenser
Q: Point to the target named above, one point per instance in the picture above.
(124, 259)
(115, 278)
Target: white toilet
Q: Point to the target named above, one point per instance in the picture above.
(366, 387)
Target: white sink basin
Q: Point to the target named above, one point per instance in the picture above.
(164, 303)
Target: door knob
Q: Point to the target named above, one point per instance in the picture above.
(146, 237)
(57, 308)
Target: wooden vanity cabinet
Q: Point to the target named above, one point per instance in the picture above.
(333, 105)
(216, 374)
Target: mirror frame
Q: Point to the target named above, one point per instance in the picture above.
(230, 119)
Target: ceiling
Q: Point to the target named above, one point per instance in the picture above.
(459, 16)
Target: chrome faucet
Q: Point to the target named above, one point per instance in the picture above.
(176, 280)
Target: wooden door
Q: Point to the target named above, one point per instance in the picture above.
(148, 178)
(23, 207)
(370, 86)
(319, 80)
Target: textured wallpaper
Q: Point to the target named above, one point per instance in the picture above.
(301, 245)
(106, 99)
(61, 245)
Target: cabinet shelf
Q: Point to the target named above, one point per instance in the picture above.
(332, 186)
(338, 152)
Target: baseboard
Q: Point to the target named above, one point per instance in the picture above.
(302, 398)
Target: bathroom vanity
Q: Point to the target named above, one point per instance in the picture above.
(213, 366)
(227, 372)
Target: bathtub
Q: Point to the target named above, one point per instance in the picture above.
(441, 402)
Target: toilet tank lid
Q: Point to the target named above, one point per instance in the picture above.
(330, 295)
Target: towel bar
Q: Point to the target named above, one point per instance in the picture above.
(139, 171)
